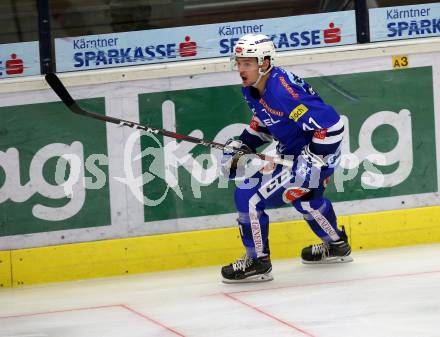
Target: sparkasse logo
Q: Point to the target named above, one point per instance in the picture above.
(12, 66)
(98, 52)
(292, 39)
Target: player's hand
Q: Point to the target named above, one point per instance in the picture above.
(233, 151)
(307, 168)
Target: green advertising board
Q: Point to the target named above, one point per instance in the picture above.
(33, 139)
(390, 150)
(394, 111)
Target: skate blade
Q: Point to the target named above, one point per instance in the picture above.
(331, 260)
(251, 279)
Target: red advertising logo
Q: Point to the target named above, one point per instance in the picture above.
(332, 34)
(320, 133)
(254, 124)
(14, 65)
(294, 193)
(188, 48)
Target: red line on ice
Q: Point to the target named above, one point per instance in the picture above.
(151, 320)
(59, 311)
(371, 278)
(126, 307)
(290, 325)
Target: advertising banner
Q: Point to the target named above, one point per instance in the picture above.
(37, 142)
(388, 148)
(19, 59)
(404, 22)
(200, 42)
(67, 178)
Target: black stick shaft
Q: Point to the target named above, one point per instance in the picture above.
(64, 95)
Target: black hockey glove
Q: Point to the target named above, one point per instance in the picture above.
(231, 157)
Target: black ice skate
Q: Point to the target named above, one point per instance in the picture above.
(247, 269)
(332, 252)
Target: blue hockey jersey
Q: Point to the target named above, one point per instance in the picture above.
(292, 113)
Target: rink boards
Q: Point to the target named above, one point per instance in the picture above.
(205, 248)
(102, 228)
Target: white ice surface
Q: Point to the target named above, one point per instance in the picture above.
(383, 293)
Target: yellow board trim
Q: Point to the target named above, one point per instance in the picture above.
(5, 269)
(206, 248)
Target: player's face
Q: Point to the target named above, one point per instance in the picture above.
(248, 69)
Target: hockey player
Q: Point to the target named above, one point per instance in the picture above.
(285, 109)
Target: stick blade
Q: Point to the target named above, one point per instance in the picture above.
(59, 88)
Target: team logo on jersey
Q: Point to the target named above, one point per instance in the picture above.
(297, 112)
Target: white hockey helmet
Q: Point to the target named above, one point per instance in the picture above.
(255, 45)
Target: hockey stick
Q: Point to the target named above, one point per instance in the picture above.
(64, 95)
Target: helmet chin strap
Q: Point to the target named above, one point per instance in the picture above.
(261, 74)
